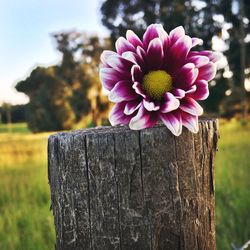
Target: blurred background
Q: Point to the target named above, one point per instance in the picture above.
(49, 81)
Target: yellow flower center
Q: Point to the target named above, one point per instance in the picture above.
(156, 83)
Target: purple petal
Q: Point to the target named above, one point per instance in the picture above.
(207, 72)
(191, 90)
(166, 47)
(198, 61)
(132, 106)
(150, 34)
(137, 87)
(105, 55)
(213, 56)
(150, 105)
(190, 122)
(181, 47)
(190, 106)
(137, 75)
(177, 54)
(143, 119)
(134, 58)
(173, 122)
(122, 91)
(155, 54)
(185, 76)
(178, 93)
(202, 91)
(122, 45)
(175, 34)
(170, 103)
(130, 56)
(109, 77)
(116, 115)
(133, 39)
(142, 57)
(196, 41)
(163, 35)
(120, 64)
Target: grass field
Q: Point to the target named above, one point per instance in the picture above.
(233, 186)
(25, 220)
(27, 224)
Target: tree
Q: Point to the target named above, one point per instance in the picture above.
(49, 107)
(18, 113)
(237, 17)
(60, 95)
(80, 68)
(120, 15)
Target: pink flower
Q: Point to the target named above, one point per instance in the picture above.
(158, 77)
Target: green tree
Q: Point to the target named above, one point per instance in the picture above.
(80, 68)
(69, 93)
(237, 17)
(49, 107)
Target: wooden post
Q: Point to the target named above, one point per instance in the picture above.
(113, 188)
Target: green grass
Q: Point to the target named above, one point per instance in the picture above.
(14, 128)
(233, 186)
(26, 222)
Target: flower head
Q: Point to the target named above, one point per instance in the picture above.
(157, 78)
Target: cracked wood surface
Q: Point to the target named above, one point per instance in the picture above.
(113, 188)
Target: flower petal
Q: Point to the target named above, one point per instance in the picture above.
(137, 87)
(185, 76)
(122, 45)
(162, 34)
(207, 72)
(215, 56)
(136, 73)
(155, 54)
(177, 54)
(143, 119)
(181, 47)
(120, 64)
(133, 39)
(132, 106)
(173, 122)
(130, 56)
(116, 115)
(190, 106)
(142, 57)
(212, 55)
(109, 77)
(178, 93)
(198, 61)
(105, 55)
(122, 91)
(175, 34)
(150, 105)
(196, 41)
(191, 90)
(150, 34)
(202, 91)
(190, 122)
(170, 103)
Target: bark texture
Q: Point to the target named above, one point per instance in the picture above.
(113, 188)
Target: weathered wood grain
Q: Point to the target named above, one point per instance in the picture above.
(113, 188)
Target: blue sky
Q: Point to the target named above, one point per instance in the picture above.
(25, 41)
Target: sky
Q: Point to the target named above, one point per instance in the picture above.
(25, 41)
